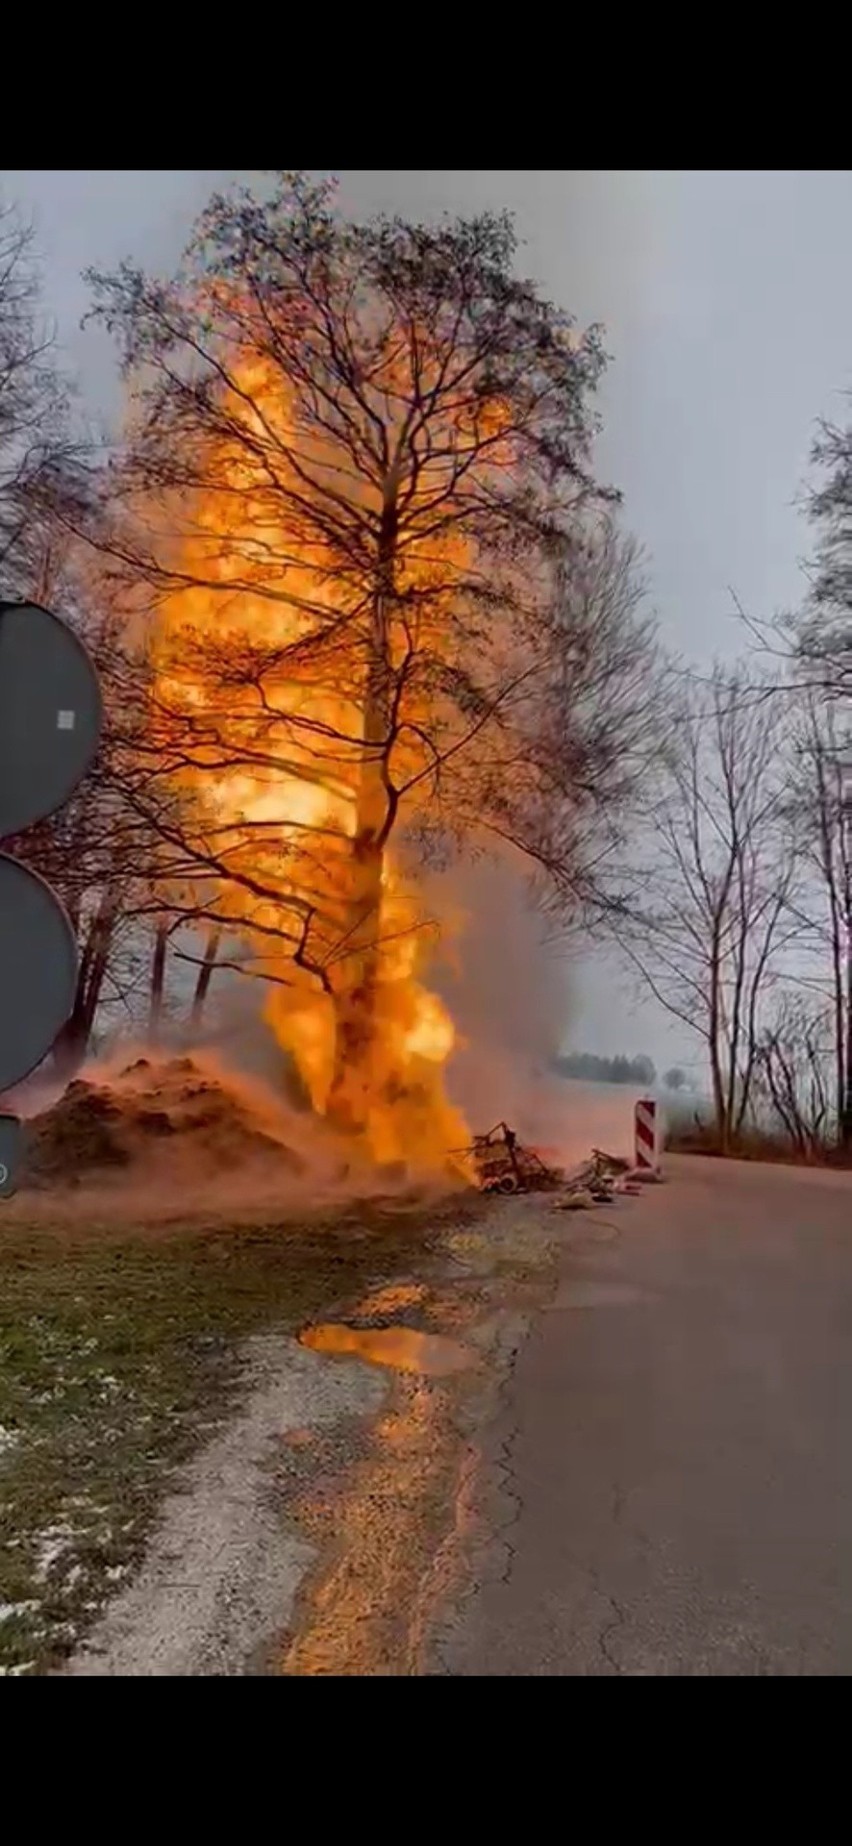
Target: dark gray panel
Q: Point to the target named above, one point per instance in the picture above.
(50, 714)
(38, 970)
(11, 1141)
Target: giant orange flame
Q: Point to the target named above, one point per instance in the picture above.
(260, 675)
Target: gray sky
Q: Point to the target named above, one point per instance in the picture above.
(727, 299)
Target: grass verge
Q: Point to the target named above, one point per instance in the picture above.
(119, 1352)
(755, 1144)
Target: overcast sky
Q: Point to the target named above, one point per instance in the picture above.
(727, 300)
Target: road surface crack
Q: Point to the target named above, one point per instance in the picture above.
(611, 1628)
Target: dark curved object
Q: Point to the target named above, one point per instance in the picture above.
(10, 1154)
(50, 714)
(38, 969)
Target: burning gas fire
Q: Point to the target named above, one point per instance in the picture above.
(265, 674)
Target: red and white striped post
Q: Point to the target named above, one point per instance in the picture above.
(646, 1136)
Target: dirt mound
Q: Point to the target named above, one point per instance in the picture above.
(181, 1117)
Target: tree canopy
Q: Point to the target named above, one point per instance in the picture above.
(390, 613)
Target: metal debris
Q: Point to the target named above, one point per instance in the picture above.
(595, 1181)
(501, 1163)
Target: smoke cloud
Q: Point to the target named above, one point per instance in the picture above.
(509, 988)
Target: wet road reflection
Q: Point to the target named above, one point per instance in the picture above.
(403, 1349)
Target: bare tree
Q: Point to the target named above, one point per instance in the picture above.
(205, 975)
(41, 468)
(794, 1074)
(39, 453)
(99, 851)
(814, 642)
(822, 811)
(357, 493)
(823, 629)
(722, 879)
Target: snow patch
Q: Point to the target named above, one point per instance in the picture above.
(8, 1610)
(51, 1545)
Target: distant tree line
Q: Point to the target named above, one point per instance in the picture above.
(593, 1069)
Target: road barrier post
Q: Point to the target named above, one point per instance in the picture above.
(645, 1123)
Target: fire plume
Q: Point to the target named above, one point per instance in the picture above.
(265, 664)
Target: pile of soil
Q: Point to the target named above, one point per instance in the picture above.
(151, 1119)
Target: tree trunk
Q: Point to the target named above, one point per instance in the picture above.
(837, 970)
(205, 975)
(355, 999)
(833, 861)
(158, 980)
(846, 1112)
(72, 1042)
(714, 1034)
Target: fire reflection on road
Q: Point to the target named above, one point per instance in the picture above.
(403, 1349)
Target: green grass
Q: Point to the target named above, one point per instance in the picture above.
(119, 1352)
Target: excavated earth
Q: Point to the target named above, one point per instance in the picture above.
(115, 1125)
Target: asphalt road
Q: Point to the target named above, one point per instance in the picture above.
(668, 1490)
